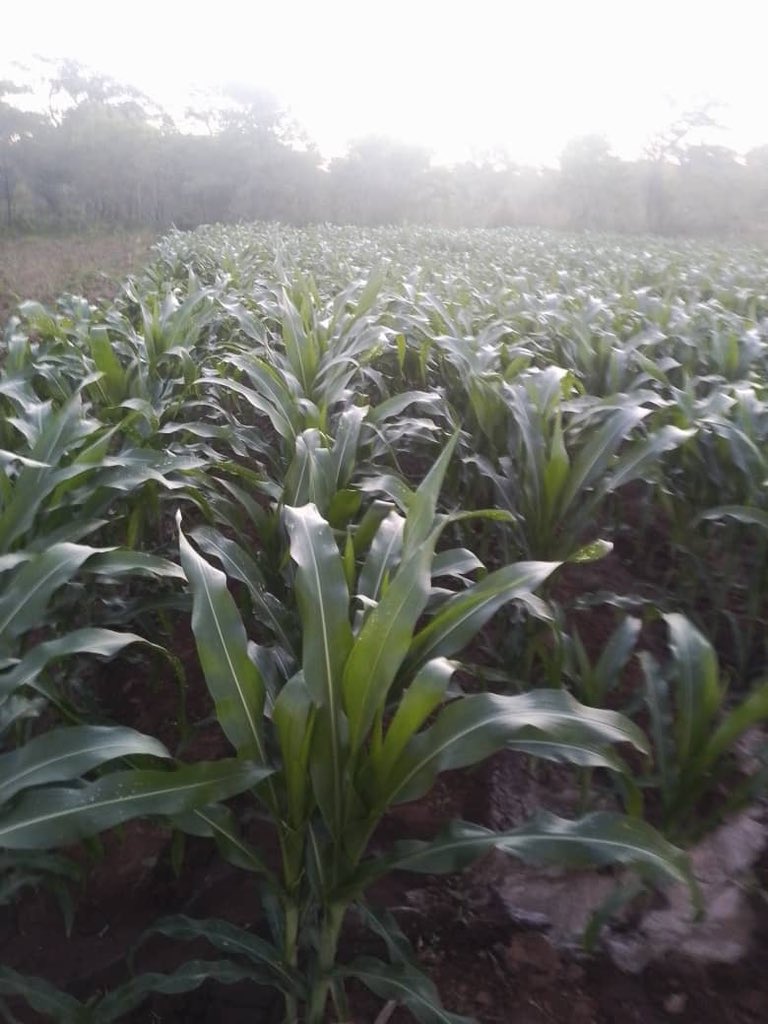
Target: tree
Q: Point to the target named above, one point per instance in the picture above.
(593, 183)
(667, 147)
(380, 181)
(15, 126)
(711, 197)
(756, 166)
(104, 153)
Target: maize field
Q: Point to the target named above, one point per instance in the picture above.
(306, 529)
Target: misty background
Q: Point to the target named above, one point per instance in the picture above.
(644, 119)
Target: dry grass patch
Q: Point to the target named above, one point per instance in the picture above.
(43, 268)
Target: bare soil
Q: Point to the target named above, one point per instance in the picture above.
(43, 267)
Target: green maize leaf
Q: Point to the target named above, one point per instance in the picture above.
(44, 997)
(624, 893)
(6, 457)
(630, 466)
(36, 311)
(363, 305)
(657, 369)
(244, 498)
(57, 429)
(741, 513)
(43, 863)
(334, 376)
(203, 430)
(384, 923)
(384, 640)
(300, 344)
(593, 459)
(114, 384)
(144, 408)
(388, 483)
(129, 470)
(403, 984)
(750, 712)
(697, 688)
(455, 562)
(344, 451)
(217, 822)
(67, 753)
(617, 652)
(350, 563)
(423, 505)
(369, 524)
(187, 978)
(59, 432)
(71, 532)
(417, 703)
(556, 468)
(394, 406)
(462, 616)
(27, 595)
(234, 941)
(29, 428)
(275, 393)
(656, 694)
(532, 436)
(310, 477)
(103, 642)
(21, 507)
(566, 745)
(292, 716)
(42, 819)
(20, 394)
(597, 839)
(343, 507)
(326, 766)
(283, 413)
(234, 681)
(323, 602)
(323, 599)
(384, 554)
(140, 563)
(234, 559)
(238, 564)
(474, 727)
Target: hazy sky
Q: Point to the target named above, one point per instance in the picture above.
(455, 76)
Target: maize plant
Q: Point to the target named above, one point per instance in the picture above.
(368, 720)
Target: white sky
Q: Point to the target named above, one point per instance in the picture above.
(455, 76)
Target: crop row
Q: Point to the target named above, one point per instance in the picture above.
(379, 472)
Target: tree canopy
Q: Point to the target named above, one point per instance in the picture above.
(105, 154)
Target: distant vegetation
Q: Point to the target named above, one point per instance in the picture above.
(104, 154)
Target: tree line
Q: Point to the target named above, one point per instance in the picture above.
(103, 154)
